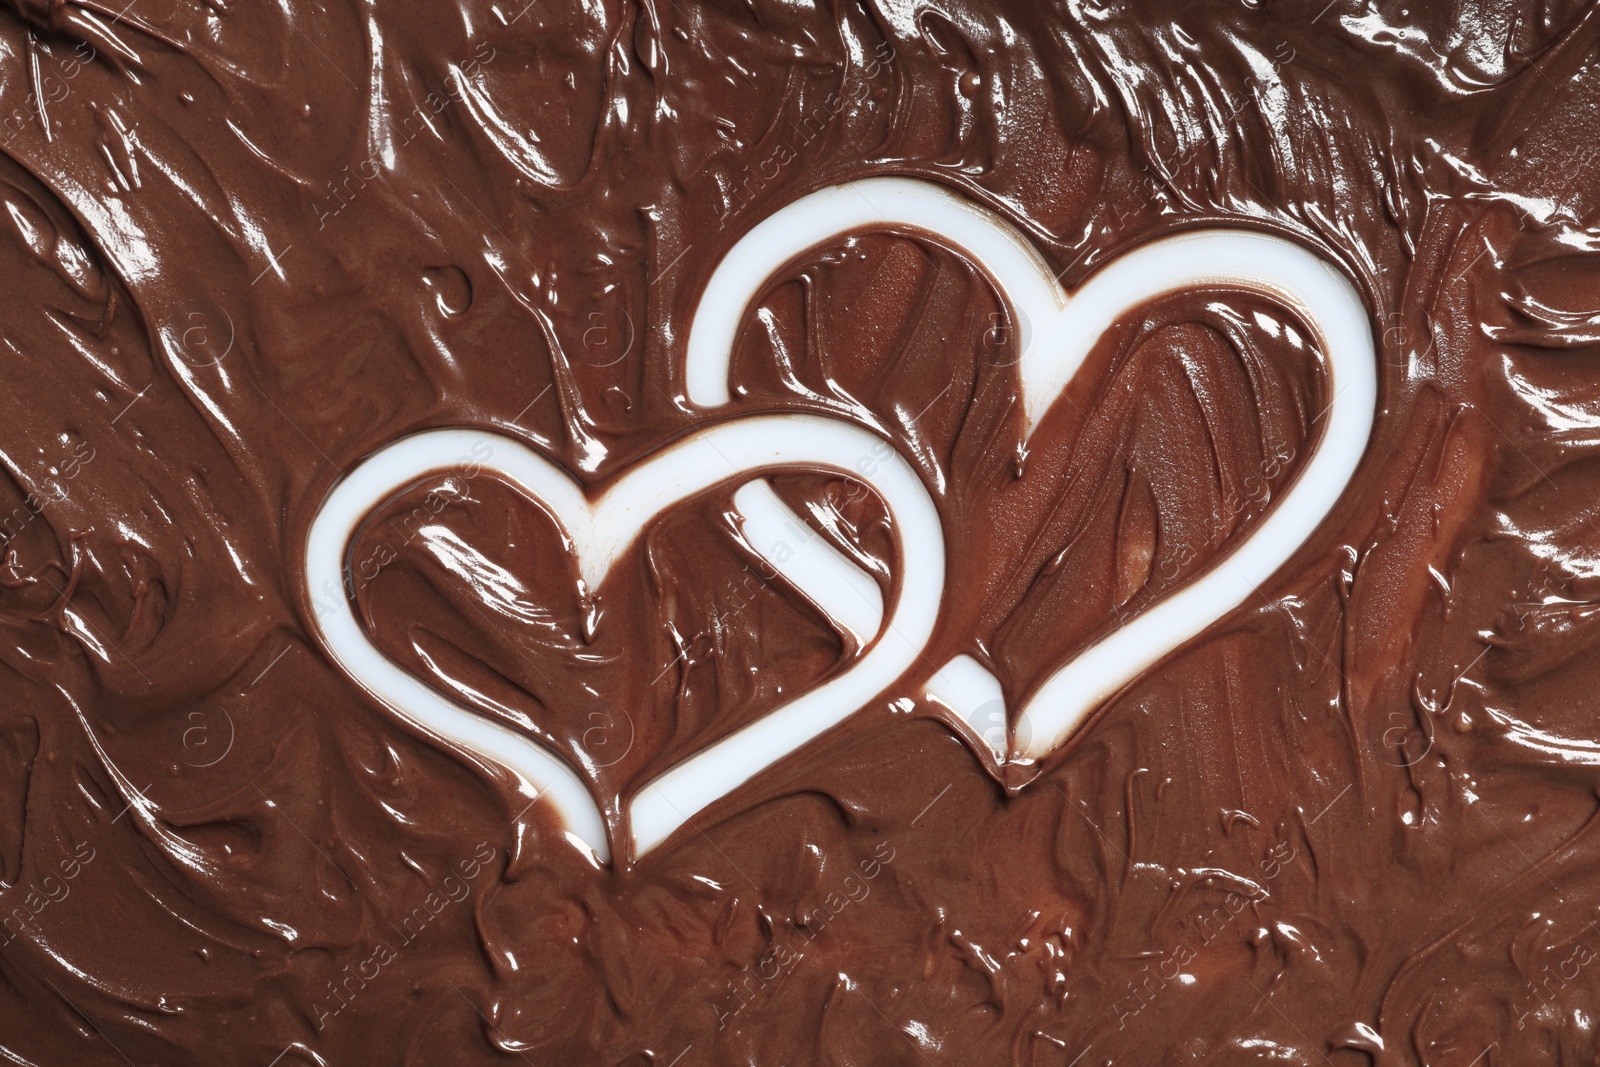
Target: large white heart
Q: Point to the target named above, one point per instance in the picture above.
(600, 531)
(1057, 331)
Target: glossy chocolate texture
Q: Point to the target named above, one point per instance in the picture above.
(246, 245)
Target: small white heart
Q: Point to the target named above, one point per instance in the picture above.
(600, 531)
(1057, 331)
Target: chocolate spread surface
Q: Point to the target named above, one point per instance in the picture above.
(245, 246)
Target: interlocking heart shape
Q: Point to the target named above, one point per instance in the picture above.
(1057, 331)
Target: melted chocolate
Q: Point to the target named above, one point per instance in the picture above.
(247, 246)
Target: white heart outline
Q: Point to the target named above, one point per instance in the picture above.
(1058, 329)
(600, 531)
(1250, 260)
